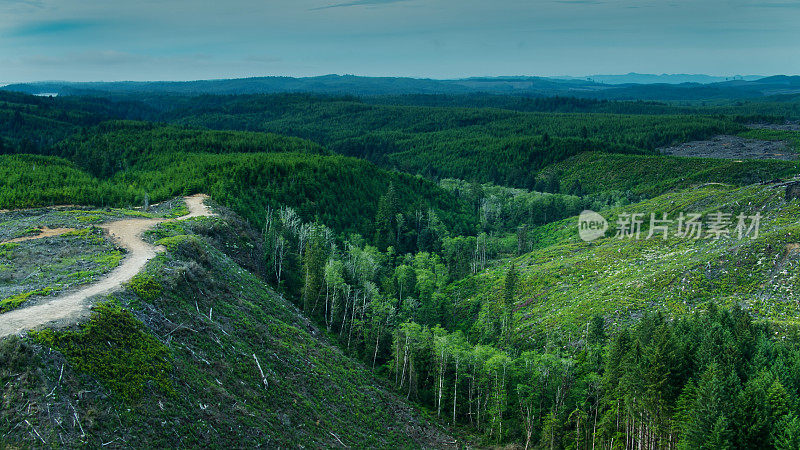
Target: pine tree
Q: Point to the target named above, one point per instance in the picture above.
(522, 239)
(683, 409)
(786, 433)
(597, 332)
(712, 406)
(720, 437)
(387, 225)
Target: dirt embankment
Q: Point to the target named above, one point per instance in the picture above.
(72, 306)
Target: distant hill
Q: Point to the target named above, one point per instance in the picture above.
(667, 78)
(328, 84)
(611, 87)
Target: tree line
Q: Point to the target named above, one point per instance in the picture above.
(716, 379)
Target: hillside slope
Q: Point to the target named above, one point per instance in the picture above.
(197, 351)
(653, 175)
(122, 163)
(502, 146)
(566, 281)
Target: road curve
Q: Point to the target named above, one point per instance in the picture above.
(72, 306)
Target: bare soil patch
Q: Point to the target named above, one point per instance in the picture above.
(732, 147)
(788, 126)
(45, 232)
(73, 306)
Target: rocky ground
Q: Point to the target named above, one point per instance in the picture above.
(787, 126)
(733, 147)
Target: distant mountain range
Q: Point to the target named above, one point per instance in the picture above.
(647, 78)
(611, 87)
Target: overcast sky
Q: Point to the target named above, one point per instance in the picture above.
(199, 39)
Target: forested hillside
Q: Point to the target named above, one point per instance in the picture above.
(115, 146)
(573, 343)
(772, 108)
(30, 124)
(429, 243)
(198, 352)
(689, 376)
(652, 175)
(501, 146)
(121, 163)
(486, 145)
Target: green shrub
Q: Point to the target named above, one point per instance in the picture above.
(7, 304)
(6, 250)
(115, 348)
(145, 286)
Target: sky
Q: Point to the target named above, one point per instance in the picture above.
(112, 40)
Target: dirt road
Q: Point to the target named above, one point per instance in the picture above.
(72, 306)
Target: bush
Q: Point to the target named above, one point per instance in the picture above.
(115, 348)
(145, 286)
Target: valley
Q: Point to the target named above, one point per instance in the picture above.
(396, 269)
(400, 224)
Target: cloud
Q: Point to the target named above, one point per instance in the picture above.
(31, 3)
(778, 5)
(53, 27)
(435, 38)
(92, 58)
(264, 59)
(768, 4)
(579, 2)
(359, 3)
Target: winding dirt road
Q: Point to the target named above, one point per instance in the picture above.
(72, 306)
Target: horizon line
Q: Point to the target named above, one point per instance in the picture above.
(416, 77)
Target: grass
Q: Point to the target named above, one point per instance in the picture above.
(565, 281)
(13, 302)
(43, 267)
(145, 286)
